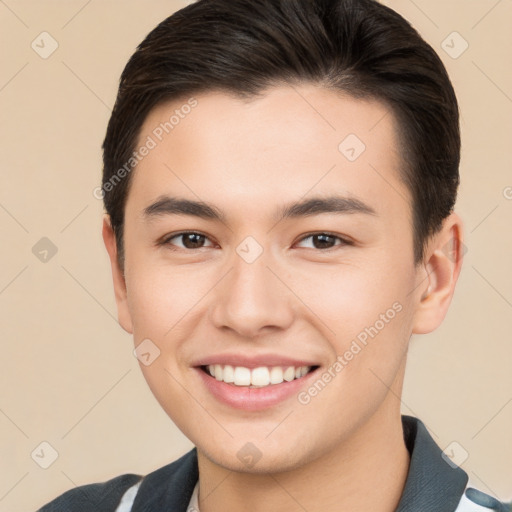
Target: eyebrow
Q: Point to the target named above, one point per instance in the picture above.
(167, 205)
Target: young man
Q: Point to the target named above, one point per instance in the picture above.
(279, 181)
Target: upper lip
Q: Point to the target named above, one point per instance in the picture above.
(253, 361)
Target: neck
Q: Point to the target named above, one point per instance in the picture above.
(366, 472)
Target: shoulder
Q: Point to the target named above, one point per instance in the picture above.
(106, 496)
(435, 481)
(93, 497)
(475, 500)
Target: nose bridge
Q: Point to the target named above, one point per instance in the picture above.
(251, 297)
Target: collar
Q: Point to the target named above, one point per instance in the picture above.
(432, 485)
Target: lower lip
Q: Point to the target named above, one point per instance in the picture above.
(253, 399)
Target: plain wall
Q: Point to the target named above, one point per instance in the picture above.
(68, 375)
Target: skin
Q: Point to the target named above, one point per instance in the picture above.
(249, 158)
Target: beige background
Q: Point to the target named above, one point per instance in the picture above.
(68, 375)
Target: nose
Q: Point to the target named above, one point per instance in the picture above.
(252, 299)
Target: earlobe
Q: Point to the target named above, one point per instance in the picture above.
(438, 276)
(118, 278)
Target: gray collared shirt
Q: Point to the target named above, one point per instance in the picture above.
(434, 484)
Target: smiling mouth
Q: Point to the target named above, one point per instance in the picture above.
(260, 377)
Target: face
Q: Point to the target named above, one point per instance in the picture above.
(301, 256)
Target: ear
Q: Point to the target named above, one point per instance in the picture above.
(438, 275)
(123, 312)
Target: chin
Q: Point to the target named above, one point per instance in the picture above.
(263, 462)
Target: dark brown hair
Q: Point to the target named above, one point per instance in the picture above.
(360, 47)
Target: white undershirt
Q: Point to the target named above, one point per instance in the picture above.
(193, 504)
(126, 503)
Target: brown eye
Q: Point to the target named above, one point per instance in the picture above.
(190, 240)
(325, 240)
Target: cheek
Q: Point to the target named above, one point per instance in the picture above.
(365, 314)
(168, 386)
(351, 296)
(163, 298)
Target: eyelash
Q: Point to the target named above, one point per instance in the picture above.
(166, 240)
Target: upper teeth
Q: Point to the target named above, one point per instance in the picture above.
(261, 376)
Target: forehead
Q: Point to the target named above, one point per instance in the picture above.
(288, 142)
